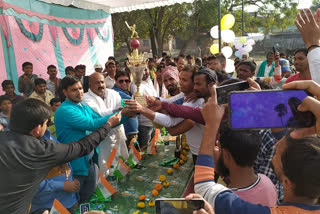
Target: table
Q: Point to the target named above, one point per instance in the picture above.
(142, 181)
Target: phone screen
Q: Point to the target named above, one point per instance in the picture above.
(268, 109)
(178, 206)
(223, 91)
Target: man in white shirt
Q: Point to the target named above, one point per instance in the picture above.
(106, 101)
(111, 71)
(146, 130)
(203, 80)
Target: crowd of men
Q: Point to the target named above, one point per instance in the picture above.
(252, 171)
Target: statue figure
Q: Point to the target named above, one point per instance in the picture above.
(132, 28)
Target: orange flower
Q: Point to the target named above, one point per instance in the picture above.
(141, 205)
(176, 166)
(181, 162)
(187, 148)
(170, 171)
(162, 178)
(155, 192)
(184, 152)
(166, 184)
(158, 186)
(142, 197)
(145, 213)
(151, 203)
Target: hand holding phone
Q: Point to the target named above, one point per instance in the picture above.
(308, 104)
(268, 109)
(178, 205)
(223, 91)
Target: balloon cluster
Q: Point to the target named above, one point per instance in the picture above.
(243, 46)
(228, 36)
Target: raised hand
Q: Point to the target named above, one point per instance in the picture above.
(308, 104)
(308, 25)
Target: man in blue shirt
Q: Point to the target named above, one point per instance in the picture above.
(121, 86)
(73, 121)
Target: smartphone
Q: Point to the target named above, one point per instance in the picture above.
(268, 109)
(274, 50)
(223, 91)
(84, 208)
(178, 205)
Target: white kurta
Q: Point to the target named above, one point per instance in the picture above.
(117, 137)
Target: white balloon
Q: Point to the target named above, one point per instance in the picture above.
(251, 42)
(214, 32)
(227, 51)
(228, 36)
(230, 66)
(248, 48)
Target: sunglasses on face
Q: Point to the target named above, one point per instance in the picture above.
(122, 81)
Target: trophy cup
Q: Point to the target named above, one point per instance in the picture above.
(137, 64)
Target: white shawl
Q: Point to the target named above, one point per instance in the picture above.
(117, 137)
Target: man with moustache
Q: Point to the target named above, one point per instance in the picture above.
(73, 121)
(235, 155)
(104, 102)
(190, 81)
(170, 77)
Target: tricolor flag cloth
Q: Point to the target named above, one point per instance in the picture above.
(112, 161)
(104, 188)
(58, 208)
(152, 145)
(122, 170)
(134, 155)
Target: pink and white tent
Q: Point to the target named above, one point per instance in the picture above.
(59, 32)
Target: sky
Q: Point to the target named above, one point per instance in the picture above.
(304, 3)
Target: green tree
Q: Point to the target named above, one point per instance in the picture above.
(121, 31)
(315, 5)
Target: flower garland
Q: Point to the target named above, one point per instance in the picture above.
(104, 38)
(32, 36)
(72, 40)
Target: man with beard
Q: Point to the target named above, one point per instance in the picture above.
(104, 102)
(146, 130)
(296, 161)
(170, 77)
(302, 66)
(235, 155)
(177, 126)
(73, 120)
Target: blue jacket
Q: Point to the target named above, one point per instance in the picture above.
(72, 123)
(131, 126)
(52, 188)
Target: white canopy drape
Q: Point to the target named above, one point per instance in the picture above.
(117, 6)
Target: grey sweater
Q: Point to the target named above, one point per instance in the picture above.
(25, 161)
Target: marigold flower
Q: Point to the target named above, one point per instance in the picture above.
(141, 205)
